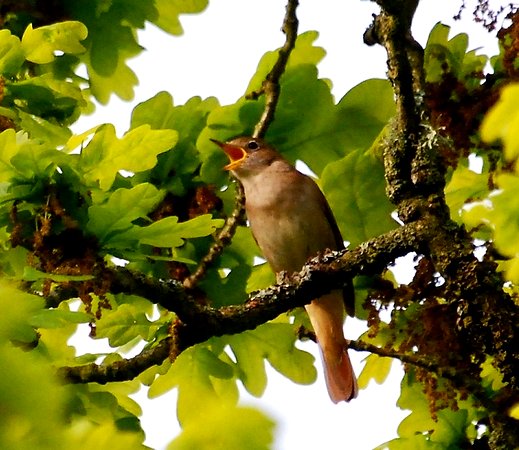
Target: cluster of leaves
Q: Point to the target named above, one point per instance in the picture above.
(111, 41)
(73, 207)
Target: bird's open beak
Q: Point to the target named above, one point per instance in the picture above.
(235, 153)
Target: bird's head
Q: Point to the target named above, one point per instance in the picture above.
(247, 155)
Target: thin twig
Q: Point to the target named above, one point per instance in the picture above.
(222, 240)
(271, 87)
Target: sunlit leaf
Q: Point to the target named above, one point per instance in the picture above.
(106, 155)
(11, 53)
(39, 128)
(226, 427)
(56, 318)
(121, 209)
(448, 429)
(45, 96)
(40, 44)
(120, 82)
(188, 120)
(124, 324)
(193, 373)
(502, 122)
(377, 368)
(465, 186)
(169, 232)
(273, 342)
(261, 277)
(8, 148)
(505, 215)
(443, 56)
(169, 12)
(106, 436)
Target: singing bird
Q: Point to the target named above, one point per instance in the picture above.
(291, 222)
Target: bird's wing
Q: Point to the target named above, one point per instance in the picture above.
(348, 290)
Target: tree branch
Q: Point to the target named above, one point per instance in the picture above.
(197, 323)
(487, 316)
(123, 370)
(222, 240)
(271, 86)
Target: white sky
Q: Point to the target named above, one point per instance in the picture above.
(216, 56)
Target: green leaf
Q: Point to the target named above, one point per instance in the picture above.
(11, 53)
(112, 40)
(363, 113)
(121, 82)
(168, 13)
(18, 307)
(39, 128)
(121, 209)
(274, 342)
(32, 274)
(376, 368)
(416, 442)
(195, 372)
(226, 427)
(304, 52)
(35, 158)
(449, 427)
(465, 186)
(261, 277)
(355, 189)
(169, 233)
(137, 151)
(46, 96)
(503, 219)
(8, 148)
(100, 406)
(57, 318)
(505, 215)
(227, 287)
(188, 120)
(41, 44)
(124, 324)
(106, 436)
(13, 262)
(502, 122)
(34, 419)
(443, 56)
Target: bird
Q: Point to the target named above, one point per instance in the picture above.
(291, 221)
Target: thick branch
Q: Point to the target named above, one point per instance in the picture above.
(198, 323)
(415, 183)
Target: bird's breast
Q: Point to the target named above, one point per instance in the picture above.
(287, 221)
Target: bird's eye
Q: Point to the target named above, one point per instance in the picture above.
(252, 145)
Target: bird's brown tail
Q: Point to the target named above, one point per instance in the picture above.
(326, 315)
(338, 372)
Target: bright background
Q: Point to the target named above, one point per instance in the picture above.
(216, 56)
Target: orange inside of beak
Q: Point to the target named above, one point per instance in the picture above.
(235, 153)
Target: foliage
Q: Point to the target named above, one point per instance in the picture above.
(75, 208)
